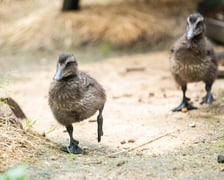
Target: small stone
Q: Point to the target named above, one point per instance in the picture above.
(53, 158)
(123, 142)
(184, 110)
(112, 156)
(140, 100)
(121, 163)
(220, 159)
(193, 125)
(131, 140)
(44, 134)
(139, 153)
(196, 142)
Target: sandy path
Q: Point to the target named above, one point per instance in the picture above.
(138, 105)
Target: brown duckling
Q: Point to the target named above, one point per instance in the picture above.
(75, 96)
(193, 59)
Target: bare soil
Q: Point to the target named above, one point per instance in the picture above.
(142, 138)
(140, 96)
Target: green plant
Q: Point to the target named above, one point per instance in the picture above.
(106, 48)
(17, 173)
(30, 123)
(50, 130)
(72, 156)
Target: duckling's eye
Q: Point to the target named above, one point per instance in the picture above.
(199, 24)
(69, 63)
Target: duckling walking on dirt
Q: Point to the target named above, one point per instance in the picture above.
(192, 59)
(75, 96)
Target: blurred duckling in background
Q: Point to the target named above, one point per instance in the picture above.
(75, 96)
(193, 59)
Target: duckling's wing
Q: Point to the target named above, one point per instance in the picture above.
(210, 51)
(91, 87)
(180, 44)
(87, 81)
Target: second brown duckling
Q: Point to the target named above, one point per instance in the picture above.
(192, 59)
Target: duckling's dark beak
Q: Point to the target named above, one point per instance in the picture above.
(58, 75)
(190, 32)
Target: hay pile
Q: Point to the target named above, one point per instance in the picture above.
(120, 24)
(16, 144)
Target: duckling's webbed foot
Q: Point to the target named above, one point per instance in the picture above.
(184, 104)
(187, 98)
(208, 99)
(75, 149)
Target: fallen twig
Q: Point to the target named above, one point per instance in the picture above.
(136, 147)
(135, 69)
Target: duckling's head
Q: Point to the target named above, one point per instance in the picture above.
(66, 66)
(195, 26)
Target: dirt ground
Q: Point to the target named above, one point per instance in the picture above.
(142, 138)
(137, 111)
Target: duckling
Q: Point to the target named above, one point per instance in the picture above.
(192, 59)
(75, 96)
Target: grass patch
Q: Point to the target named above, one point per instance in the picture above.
(16, 173)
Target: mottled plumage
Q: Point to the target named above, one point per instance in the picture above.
(75, 96)
(192, 59)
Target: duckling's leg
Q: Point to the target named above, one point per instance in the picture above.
(73, 147)
(184, 103)
(208, 98)
(100, 124)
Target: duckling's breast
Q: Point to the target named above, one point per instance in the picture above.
(72, 102)
(191, 67)
(190, 72)
(63, 95)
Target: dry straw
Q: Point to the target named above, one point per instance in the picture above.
(17, 144)
(121, 24)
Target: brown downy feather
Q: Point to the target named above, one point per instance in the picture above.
(75, 98)
(193, 60)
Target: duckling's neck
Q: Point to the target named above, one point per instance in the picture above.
(196, 39)
(196, 43)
